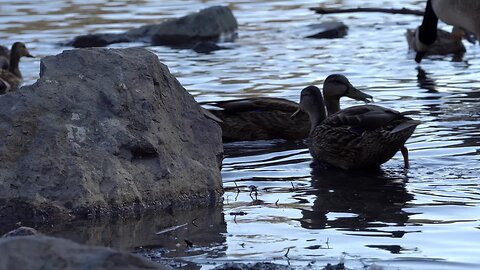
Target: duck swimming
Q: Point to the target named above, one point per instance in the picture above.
(266, 118)
(11, 78)
(462, 14)
(358, 137)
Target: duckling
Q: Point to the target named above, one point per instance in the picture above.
(462, 14)
(266, 118)
(12, 78)
(357, 137)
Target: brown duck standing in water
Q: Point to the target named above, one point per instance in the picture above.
(266, 118)
(11, 78)
(358, 137)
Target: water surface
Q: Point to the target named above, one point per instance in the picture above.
(425, 217)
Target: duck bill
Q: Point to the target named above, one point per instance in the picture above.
(295, 114)
(29, 55)
(356, 94)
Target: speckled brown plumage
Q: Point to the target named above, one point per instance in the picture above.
(358, 137)
(260, 118)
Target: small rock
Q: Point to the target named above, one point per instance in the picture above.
(210, 24)
(98, 40)
(21, 231)
(206, 47)
(327, 30)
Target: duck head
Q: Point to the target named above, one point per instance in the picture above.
(336, 86)
(19, 49)
(311, 102)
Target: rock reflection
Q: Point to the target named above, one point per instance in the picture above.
(205, 228)
(363, 201)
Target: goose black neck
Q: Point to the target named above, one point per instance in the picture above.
(428, 29)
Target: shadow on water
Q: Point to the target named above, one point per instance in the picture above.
(370, 200)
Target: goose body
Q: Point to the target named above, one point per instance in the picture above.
(357, 137)
(462, 14)
(266, 118)
(11, 78)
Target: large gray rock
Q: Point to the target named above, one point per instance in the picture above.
(42, 252)
(104, 131)
(210, 24)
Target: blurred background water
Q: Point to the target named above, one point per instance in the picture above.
(426, 217)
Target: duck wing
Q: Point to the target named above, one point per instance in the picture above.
(253, 104)
(367, 117)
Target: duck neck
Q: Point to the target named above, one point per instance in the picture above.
(14, 62)
(317, 113)
(332, 105)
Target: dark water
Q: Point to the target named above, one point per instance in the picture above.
(426, 217)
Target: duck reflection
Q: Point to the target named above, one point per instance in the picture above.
(361, 201)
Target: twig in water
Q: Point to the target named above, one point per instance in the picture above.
(286, 254)
(172, 228)
(293, 186)
(238, 189)
(276, 203)
(189, 243)
(321, 10)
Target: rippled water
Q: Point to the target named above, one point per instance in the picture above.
(426, 217)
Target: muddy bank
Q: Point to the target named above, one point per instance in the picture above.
(104, 132)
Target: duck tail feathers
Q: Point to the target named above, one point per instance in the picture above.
(409, 112)
(405, 125)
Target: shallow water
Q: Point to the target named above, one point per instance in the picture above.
(426, 217)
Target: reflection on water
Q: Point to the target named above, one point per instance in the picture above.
(426, 217)
(370, 201)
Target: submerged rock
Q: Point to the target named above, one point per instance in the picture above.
(210, 24)
(327, 30)
(102, 132)
(445, 43)
(206, 47)
(43, 252)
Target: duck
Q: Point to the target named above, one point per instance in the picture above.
(357, 137)
(268, 118)
(464, 15)
(4, 57)
(11, 78)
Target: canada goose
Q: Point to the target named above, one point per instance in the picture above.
(462, 14)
